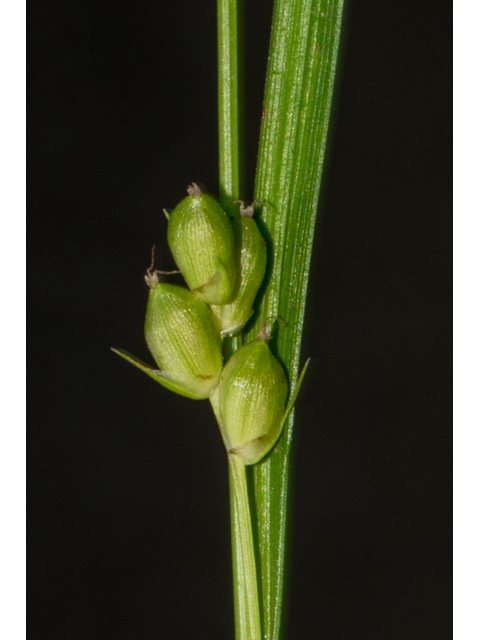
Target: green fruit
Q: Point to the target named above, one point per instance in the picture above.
(250, 262)
(201, 240)
(250, 401)
(183, 340)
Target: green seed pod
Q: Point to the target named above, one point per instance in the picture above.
(250, 262)
(201, 240)
(250, 401)
(182, 337)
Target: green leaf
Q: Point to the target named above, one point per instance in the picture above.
(298, 95)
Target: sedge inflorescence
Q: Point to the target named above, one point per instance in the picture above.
(223, 262)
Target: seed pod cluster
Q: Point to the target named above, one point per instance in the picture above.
(223, 262)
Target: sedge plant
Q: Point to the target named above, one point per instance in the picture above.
(205, 339)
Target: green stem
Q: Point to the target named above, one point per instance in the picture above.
(247, 610)
(228, 107)
(229, 180)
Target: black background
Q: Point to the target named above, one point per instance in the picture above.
(129, 518)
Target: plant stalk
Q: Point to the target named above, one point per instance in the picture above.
(245, 584)
(247, 602)
(228, 105)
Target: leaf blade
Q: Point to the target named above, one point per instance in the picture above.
(298, 94)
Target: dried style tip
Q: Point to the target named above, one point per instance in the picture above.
(245, 211)
(194, 190)
(151, 277)
(249, 210)
(265, 333)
